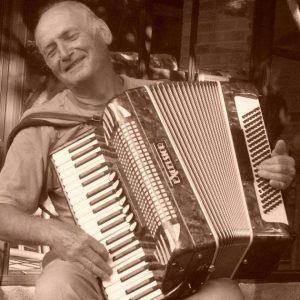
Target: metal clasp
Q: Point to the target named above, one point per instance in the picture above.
(95, 120)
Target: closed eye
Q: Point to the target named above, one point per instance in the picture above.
(50, 51)
(72, 37)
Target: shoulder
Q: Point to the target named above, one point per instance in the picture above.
(57, 103)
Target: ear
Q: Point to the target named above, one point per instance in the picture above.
(104, 31)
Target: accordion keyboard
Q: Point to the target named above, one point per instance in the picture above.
(100, 207)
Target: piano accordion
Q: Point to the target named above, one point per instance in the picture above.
(168, 183)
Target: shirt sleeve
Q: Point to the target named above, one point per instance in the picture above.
(23, 174)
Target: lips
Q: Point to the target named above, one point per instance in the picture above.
(71, 65)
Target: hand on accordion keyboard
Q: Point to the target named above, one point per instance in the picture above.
(280, 168)
(71, 243)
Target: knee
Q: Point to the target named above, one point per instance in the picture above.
(219, 289)
(55, 278)
(62, 280)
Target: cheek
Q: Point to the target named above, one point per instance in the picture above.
(53, 65)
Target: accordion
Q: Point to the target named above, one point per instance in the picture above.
(168, 183)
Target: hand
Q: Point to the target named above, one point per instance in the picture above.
(279, 169)
(71, 243)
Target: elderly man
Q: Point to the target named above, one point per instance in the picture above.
(74, 44)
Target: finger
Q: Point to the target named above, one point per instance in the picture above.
(280, 148)
(97, 260)
(280, 160)
(279, 185)
(83, 269)
(92, 268)
(271, 175)
(274, 168)
(100, 249)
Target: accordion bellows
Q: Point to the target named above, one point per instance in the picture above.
(168, 183)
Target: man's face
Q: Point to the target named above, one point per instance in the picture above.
(71, 47)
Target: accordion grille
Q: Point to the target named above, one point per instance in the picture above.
(195, 118)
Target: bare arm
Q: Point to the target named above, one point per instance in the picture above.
(69, 242)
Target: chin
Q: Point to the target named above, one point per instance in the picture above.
(75, 79)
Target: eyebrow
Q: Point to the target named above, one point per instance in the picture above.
(62, 35)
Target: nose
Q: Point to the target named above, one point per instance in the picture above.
(64, 51)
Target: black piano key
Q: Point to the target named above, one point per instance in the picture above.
(121, 245)
(83, 143)
(131, 264)
(145, 293)
(105, 196)
(83, 152)
(134, 273)
(117, 237)
(127, 251)
(99, 189)
(112, 225)
(94, 169)
(139, 285)
(110, 216)
(94, 178)
(87, 159)
(105, 205)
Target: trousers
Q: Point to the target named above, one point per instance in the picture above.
(63, 280)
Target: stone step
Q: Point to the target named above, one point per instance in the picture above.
(261, 291)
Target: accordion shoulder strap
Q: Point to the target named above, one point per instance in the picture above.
(54, 119)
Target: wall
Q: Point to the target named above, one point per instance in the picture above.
(11, 65)
(224, 35)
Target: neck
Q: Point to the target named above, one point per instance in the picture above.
(100, 90)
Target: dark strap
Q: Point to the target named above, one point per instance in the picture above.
(53, 119)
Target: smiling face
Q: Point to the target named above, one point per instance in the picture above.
(73, 44)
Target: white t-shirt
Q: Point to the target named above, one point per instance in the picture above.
(27, 178)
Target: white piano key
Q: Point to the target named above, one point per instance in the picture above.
(65, 151)
(73, 191)
(157, 295)
(83, 196)
(68, 172)
(71, 163)
(120, 241)
(64, 156)
(87, 180)
(71, 160)
(86, 223)
(153, 286)
(109, 226)
(79, 190)
(100, 216)
(136, 254)
(117, 290)
(83, 205)
(111, 283)
(102, 237)
(135, 243)
(75, 179)
(116, 277)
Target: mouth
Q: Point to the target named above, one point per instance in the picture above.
(73, 64)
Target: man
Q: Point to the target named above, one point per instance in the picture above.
(74, 44)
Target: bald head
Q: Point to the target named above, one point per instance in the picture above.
(83, 13)
(73, 41)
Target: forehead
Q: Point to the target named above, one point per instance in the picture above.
(57, 20)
